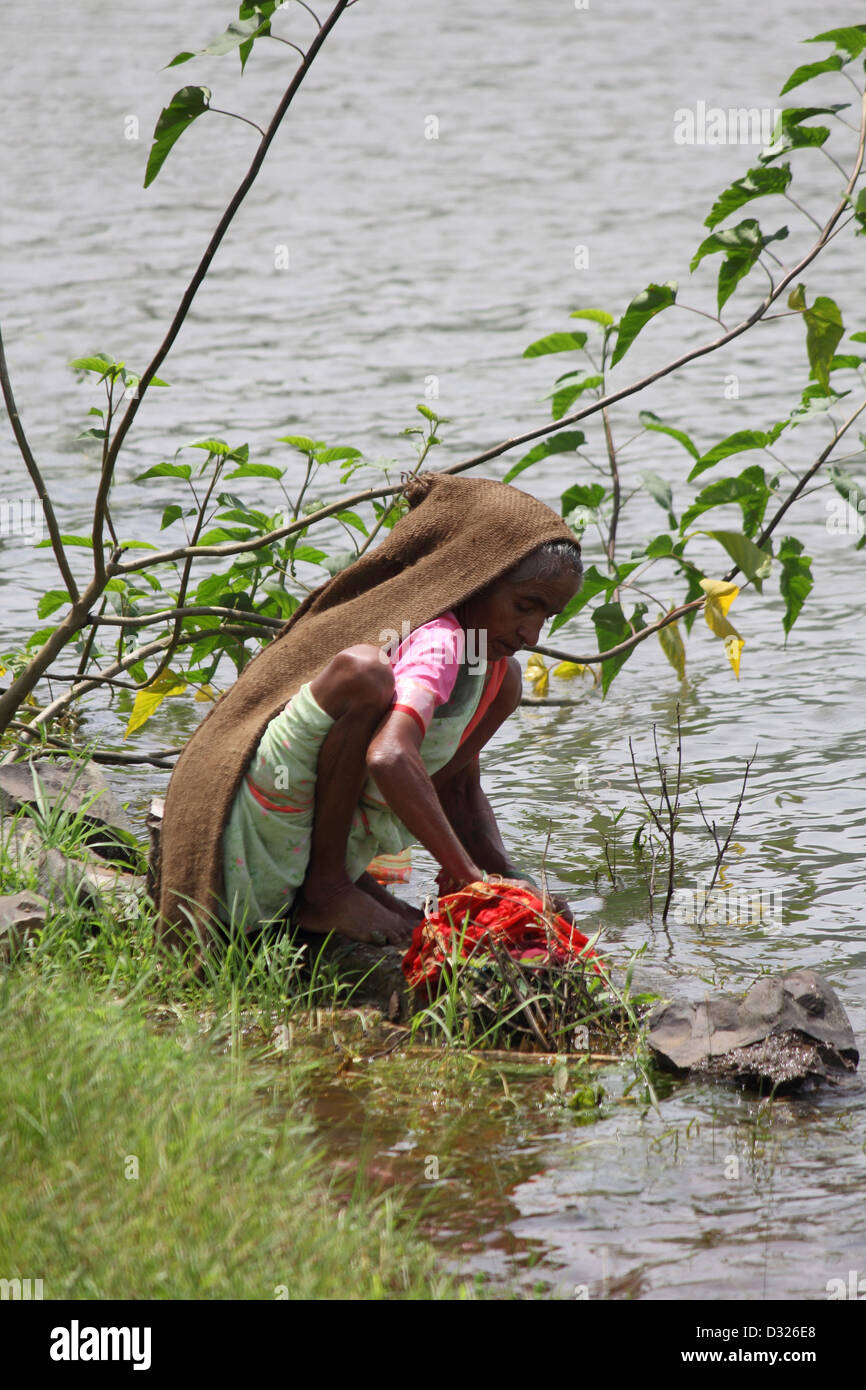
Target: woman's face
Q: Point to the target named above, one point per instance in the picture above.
(514, 610)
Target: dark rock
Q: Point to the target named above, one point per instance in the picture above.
(59, 878)
(784, 1030)
(81, 788)
(376, 972)
(21, 915)
(783, 1060)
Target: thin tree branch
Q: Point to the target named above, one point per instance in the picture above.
(168, 614)
(222, 227)
(36, 477)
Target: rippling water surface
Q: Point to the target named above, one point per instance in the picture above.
(411, 258)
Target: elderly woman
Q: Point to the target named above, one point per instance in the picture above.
(337, 744)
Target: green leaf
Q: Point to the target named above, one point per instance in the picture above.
(612, 628)
(170, 514)
(851, 39)
(212, 589)
(810, 70)
(248, 8)
(858, 337)
(791, 134)
(815, 401)
(757, 183)
(339, 561)
(240, 33)
(588, 495)
(255, 470)
(847, 487)
(672, 645)
(652, 422)
(337, 454)
(824, 331)
(85, 541)
(795, 580)
(301, 442)
(642, 308)
(754, 562)
(736, 443)
(860, 212)
(280, 603)
(309, 554)
(658, 547)
(660, 491)
(742, 245)
(221, 449)
(594, 582)
(594, 315)
(693, 590)
(555, 342)
(98, 363)
(564, 443)
(567, 395)
(352, 519)
(219, 534)
(51, 601)
(181, 111)
(249, 516)
(750, 490)
(166, 470)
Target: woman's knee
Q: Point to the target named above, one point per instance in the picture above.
(357, 677)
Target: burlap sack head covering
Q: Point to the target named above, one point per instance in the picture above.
(459, 536)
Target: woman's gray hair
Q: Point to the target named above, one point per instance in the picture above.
(552, 558)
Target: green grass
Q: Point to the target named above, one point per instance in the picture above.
(117, 1062)
(140, 1165)
(153, 1140)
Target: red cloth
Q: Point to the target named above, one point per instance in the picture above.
(504, 913)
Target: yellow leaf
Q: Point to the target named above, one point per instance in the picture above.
(206, 692)
(720, 596)
(721, 589)
(147, 701)
(672, 646)
(733, 646)
(567, 670)
(537, 674)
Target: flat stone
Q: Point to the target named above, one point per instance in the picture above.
(21, 915)
(73, 788)
(725, 1036)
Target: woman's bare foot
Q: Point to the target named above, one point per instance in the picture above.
(354, 914)
(368, 884)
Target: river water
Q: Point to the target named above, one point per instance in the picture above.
(554, 181)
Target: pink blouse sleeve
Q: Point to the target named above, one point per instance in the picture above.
(425, 668)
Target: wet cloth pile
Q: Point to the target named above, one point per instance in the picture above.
(504, 915)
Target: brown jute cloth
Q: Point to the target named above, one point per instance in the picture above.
(459, 536)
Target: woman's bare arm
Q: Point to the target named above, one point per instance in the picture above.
(394, 760)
